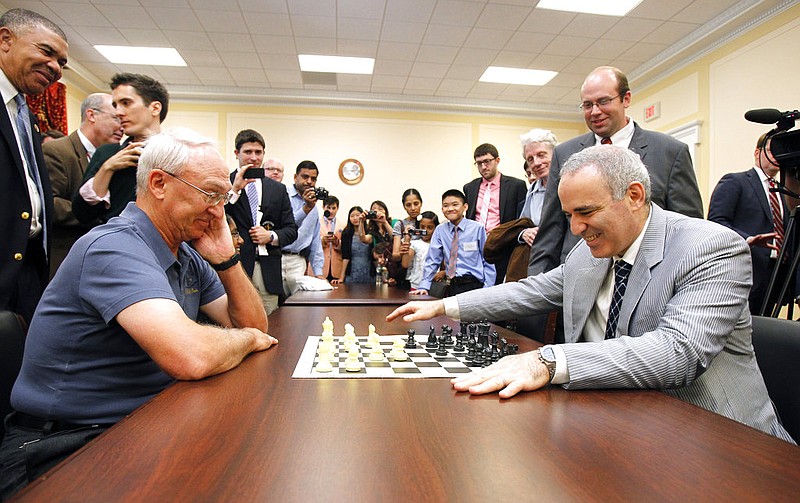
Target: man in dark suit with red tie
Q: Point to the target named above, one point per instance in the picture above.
(33, 51)
(493, 198)
(743, 202)
(265, 226)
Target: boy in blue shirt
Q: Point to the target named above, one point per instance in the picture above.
(458, 244)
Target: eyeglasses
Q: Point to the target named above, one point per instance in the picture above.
(112, 114)
(484, 162)
(274, 169)
(212, 198)
(602, 102)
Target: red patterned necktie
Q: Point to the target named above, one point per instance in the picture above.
(777, 216)
(605, 141)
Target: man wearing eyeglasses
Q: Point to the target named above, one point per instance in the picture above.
(605, 97)
(67, 159)
(261, 210)
(109, 184)
(117, 324)
(493, 198)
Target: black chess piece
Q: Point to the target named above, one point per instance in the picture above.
(459, 347)
(442, 350)
(470, 350)
(503, 347)
(431, 343)
(479, 359)
(411, 343)
(463, 328)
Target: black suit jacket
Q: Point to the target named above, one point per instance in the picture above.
(673, 187)
(276, 208)
(15, 210)
(739, 203)
(512, 193)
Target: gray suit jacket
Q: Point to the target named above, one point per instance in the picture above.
(674, 188)
(684, 326)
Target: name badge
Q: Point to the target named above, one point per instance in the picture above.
(471, 246)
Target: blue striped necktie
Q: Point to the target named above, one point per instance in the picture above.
(252, 197)
(621, 271)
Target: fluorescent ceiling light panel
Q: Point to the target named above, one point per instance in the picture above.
(126, 55)
(335, 64)
(504, 75)
(607, 8)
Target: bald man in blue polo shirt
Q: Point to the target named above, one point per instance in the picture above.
(117, 324)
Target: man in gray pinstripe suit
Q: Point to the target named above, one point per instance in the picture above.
(683, 325)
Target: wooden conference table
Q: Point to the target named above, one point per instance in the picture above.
(366, 294)
(256, 434)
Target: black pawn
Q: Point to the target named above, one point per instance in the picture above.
(411, 343)
(459, 347)
(442, 350)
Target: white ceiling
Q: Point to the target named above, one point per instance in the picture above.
(429, 53)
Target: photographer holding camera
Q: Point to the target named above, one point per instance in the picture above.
(307, 249)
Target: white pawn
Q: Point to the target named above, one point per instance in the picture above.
(352, 364)
(376, 355)
(398, 353)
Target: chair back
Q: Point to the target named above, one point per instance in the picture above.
(777, 346)
(12, 342)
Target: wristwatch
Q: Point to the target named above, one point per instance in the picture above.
(548, 358)
(224, 266)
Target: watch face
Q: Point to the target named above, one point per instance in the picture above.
(548, 354)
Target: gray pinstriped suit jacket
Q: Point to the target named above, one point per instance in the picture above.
(685, 312)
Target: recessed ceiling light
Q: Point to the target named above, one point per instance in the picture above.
(126, 55)
(335, 64)
(504, 75)
(610, 8)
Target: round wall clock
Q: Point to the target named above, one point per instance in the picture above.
(351, 171)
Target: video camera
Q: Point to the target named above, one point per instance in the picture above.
(785, 145)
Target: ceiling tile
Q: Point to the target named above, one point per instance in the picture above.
(547, 21)
(392, 67)
(279, 62)
(358, 29)
(474, 56)
(422, 83)
(192, 40)
(488, 38)
(325, 8)
(357, 48)
(201, 58)
(284, 77)
(322, 46)
(513, 59)
(105, 36)
(588, 25)
(247, 74)
(145, 38)
(434, 70)
(606, 49)
(274, 44)
(415, 11)
(466, 72)
(393, 50)
(671, 32)
(175, 19)
(564, 45)
(269, 24)
(453, 36)
(528, 41)
(702, 11)
(403, 32)
(361, 9)
(456, 12)
(314, 26)
(274, 6)
(632, 30)
(550, 62)
(124, 16)
(81, 15)
(233, 42)
(508, 17)
(436, 54)
(456, 85)
(388, 82)
(642, 52)
(658, 9)
(241, 60)
(221, 21)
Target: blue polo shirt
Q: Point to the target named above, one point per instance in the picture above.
(79, 365)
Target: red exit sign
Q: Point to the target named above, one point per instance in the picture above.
(652, 112)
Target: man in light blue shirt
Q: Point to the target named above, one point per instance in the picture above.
(458, 243)
(307, 246)
(537, 150)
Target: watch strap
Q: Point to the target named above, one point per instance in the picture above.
(224, 266)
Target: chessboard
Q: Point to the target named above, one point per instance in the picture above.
(422, 362)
